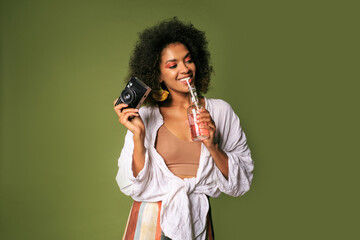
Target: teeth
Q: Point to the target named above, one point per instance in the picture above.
(185, 79)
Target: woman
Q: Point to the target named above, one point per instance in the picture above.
(169, 176)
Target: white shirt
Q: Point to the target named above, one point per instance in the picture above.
(184, 201)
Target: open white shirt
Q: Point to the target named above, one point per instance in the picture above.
(184, 201)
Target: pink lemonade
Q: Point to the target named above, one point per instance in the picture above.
(195, 108)
(197, 133)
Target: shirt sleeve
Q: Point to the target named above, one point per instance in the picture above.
(130, 185)
(233, 143)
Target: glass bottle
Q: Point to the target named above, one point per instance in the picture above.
(197, 134)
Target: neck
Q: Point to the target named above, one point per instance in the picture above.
(179, 100)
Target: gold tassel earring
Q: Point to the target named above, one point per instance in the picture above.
(160, 95)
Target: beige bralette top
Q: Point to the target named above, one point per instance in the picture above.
(181, 157)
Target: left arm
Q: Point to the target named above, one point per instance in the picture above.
(220, 158)
(230, 152)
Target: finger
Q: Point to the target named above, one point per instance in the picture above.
(211, 125)
(201, 114)
(124, 119)
(119, 107)
(203, 119)
(209, 129)
(121, 103)
(204, 115)
(117, 111)
(126, 110)
(115, 101)
(208, 126)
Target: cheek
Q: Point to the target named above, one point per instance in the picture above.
(166, 73)
(165, 77)
(163, 73)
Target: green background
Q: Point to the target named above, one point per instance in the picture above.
(288, 68)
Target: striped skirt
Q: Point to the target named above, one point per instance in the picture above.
(144, 223)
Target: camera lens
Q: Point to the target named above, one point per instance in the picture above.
(128, 96)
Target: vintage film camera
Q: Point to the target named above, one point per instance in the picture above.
(134, 94)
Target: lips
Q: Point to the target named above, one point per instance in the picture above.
(186, 79)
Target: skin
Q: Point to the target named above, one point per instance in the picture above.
(176, 64)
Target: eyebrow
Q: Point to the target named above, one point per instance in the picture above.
(174, 60)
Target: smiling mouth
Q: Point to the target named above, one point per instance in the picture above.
(185, 79)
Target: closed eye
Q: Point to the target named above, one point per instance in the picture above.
(171, 65)
(188, 60)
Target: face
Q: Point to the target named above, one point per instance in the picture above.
(176, 64)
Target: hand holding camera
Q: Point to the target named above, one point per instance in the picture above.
(128, 104)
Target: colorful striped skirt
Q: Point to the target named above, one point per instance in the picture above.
(144, 223)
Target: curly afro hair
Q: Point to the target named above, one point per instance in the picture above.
(145, 60)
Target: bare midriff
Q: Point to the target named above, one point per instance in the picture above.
(182, 177)
(181, 157)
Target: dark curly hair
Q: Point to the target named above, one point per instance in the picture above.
(146, 58)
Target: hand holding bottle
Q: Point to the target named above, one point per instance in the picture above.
(193, 111)
(205, 121)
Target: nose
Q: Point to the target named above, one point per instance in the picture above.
(184, 68)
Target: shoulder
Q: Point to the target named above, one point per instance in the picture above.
(149, 114)
(146, 110)
(218, 106)
(221, 112)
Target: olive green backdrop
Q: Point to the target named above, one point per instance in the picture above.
(288, 68)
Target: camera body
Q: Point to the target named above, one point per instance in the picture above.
(134, 94)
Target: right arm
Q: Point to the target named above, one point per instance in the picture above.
(138, 155)
(136, 126)
(137, 177)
